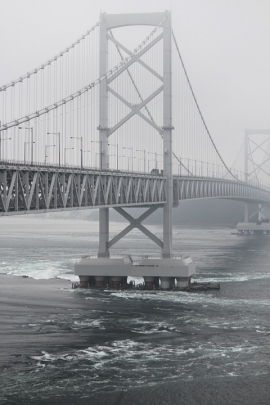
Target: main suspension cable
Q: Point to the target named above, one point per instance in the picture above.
(54, 59)
(199, 110)
(84, 89)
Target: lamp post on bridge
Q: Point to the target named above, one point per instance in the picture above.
(46, 148)
(24, 151)
(156, 155)
(201, 162)
(32, 142)
(1, 140)
(98, 153)
(144, 163)
(65, 155)
(178, 166)
(131, 148)
(150, 160)
(144, 157)
(213, 170)
(81, 139)
(86, 151)
(116, 146)
(111, 155)
(57, 134)
(122, 156)
(131, 157)
(154, 160)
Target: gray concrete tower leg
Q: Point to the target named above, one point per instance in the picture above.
(167, 136)
(103, 134)
(246, 213)
(103, 250)
(246, 172)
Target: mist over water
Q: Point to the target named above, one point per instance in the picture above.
(134, 338)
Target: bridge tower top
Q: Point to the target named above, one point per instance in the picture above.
(257, 154)
(124, 20)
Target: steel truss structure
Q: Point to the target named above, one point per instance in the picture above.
(29, 189)
(186, 188)
(33, 190)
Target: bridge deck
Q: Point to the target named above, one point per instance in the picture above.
(40, 188)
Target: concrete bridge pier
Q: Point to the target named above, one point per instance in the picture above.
(153, 269)
(100, 281)
(262, 226)
(165, 283)
(115, 281)
(149, 282)
(182, 282)
(87, 281)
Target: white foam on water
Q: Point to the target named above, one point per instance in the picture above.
(230, 277)
(41, 269)
(139, 353)
(128, 361)
(181, 297)
(88, 323)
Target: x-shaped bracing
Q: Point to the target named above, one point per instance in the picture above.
(257, 211)
(135, 109)
(257, 166)
(136, 223)
(257, 146)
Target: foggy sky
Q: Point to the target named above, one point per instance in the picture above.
(224, 43)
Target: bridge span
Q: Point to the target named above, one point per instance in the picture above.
(118, 128)
(29, 189)
(33, 189)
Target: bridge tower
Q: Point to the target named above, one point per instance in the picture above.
(257, 165)
(167, 267)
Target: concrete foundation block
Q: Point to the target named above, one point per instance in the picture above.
(165, 283)
(152, 268)
(86, 281)
(149, 283)
(253, 228)
(100, 281)
(115, 282)
(182, 282)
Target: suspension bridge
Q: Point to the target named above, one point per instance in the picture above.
(103, 125)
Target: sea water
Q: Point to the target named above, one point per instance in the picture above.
(138, 339)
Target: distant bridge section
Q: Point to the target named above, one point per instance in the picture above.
(186, 188)
(36, 189)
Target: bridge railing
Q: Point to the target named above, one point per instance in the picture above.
(67, 167)
(195, 169)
